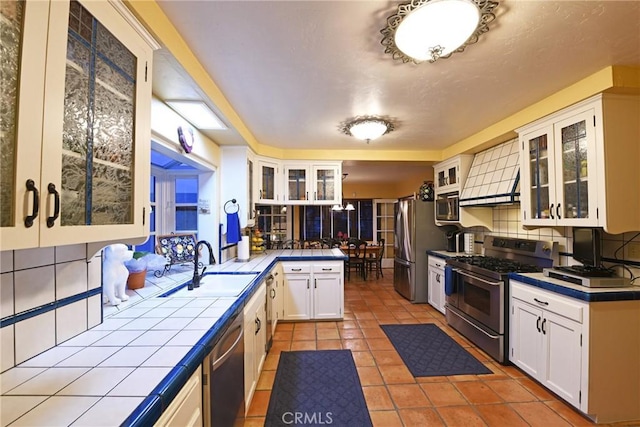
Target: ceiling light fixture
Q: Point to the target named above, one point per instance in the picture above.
(367, 128)
(348, 207)
(424, 30)
(198, 114)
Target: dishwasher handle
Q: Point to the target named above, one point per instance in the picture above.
(220, 360)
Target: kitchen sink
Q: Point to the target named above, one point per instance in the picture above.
(215, 285)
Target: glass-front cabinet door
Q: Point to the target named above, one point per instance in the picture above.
(297, 184)
(326, 182)
(92, 183)
(268, 175)
(537, 176)
(575, 150)
(23, 36)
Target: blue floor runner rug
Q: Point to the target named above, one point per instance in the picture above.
(428, 351)
(317, 388)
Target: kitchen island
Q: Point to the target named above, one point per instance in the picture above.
(128, 370)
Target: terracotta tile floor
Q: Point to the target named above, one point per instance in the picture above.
(505, 398)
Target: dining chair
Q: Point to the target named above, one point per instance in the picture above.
(356, 259)
(374, 259)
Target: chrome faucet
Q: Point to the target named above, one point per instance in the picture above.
(197, 275)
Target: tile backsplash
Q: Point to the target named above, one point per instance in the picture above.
(506, 222)
(47, 296)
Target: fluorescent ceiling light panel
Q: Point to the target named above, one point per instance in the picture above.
(198, 114)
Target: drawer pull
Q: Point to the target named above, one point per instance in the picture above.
(296, 269)
(327, 269)
(540, 302)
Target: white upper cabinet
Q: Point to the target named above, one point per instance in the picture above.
(579, 166)
(76, 124)
(451, 173)
(313, 183)
(268, 181)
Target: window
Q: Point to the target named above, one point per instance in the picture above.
(186, 206)
(174, 199)
(318, 222)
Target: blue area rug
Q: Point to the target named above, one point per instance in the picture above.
(428, 351)
(317, 388)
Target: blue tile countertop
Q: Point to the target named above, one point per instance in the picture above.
(576, 291)
(128, 369)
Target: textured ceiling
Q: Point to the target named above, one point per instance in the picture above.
(293, 70)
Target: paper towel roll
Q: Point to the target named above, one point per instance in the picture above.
(243, 249)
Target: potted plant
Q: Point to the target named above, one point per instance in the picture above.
(137, 267)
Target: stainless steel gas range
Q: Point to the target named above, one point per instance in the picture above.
(477, 289)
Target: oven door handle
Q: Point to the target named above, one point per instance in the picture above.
(495, 337)
(477, 278)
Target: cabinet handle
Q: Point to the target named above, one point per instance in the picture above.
(543, 322)
(258, 325)
(296, 269)
(307, 196)
(56, 205)
(327, 269)
(315, 283)
(273, 293)
(540, 302)
(438, 277)
(28, 220)
(315, 197)
(538, 324)
(558, 211)
(261, 194)
(307, 283)
(551, 211)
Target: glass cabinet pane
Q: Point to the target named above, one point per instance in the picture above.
(575, 171)
(539, 169)
(11, 30)
(297, 184)
(268, 183)
(452, 178)
(98, 129)
(325, 184)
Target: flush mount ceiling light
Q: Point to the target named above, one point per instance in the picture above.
(426, 30)
(367, 128)
(198, 114)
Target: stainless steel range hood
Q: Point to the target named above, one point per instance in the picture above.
(494, 177)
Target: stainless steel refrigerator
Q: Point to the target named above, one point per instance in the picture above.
(415, 233)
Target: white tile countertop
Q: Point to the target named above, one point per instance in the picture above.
(127, 369)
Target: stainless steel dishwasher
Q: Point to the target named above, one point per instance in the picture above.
(224, 378)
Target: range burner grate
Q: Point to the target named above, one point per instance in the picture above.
(498, 265)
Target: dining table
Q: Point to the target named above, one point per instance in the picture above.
(371, 257)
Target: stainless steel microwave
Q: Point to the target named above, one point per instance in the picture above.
(447, 207)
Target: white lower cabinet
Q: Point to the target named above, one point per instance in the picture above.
(186, 408)
(313, 290)
(255, 336)
(436, 297)
(586, 353)
(547, 347)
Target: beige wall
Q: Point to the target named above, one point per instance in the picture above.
(382, 190)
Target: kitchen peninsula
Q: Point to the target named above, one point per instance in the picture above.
(129, 369)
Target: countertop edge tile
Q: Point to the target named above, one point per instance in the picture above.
(629, 293)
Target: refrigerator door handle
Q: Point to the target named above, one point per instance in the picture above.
(403, 262)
